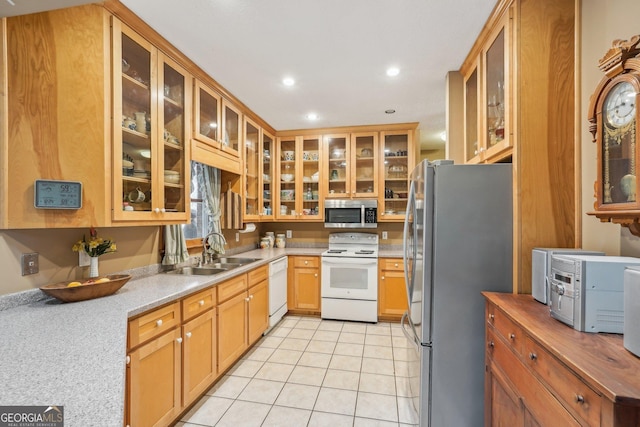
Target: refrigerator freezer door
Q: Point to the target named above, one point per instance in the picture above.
(414, 409)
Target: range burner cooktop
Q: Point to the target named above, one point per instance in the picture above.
(353, 245)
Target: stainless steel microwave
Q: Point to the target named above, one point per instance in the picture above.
(350, 213)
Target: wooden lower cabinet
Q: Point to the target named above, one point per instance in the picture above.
(392, 290)
(540, 372)
(199, 357)
(232, 330)
(154, 389)
(303, 292)
(258, 311)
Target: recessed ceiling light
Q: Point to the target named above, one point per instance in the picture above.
(393, 71)
(390, 111)
(288, 81)
(312, 116)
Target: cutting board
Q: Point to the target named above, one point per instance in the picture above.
(231, 205)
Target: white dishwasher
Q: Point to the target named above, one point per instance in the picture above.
(277, 290)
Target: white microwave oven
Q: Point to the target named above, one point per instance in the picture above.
(350, 213)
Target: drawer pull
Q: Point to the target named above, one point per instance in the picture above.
(512, 336)
(188, 334)
(159, 322)
(128, 359)
(179, 340)
(246, 299)
(306, 262)
(579, 399)
(491, 317)
(250, 296)
(315, 275)
(490, 344)
(396, 265)
(533, 356)
(201, 302)
(382, 278)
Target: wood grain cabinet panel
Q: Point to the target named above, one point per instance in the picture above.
(258, 311)
(303, 291)
(552, 374)
(232, 330)
(392, 291)
(199, 355)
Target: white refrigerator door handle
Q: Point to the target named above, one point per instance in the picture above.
(410, 335)
(405, 243)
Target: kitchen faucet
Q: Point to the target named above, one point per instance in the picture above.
(207, 257)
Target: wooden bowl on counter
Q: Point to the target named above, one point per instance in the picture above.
(88, 289)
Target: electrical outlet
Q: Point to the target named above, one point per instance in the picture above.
(237, 237)
(30, 263)
(84, 260)
(384, 235)
(289, 234)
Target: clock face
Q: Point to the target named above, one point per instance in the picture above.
(620, 104)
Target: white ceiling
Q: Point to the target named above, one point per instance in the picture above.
(336, 50)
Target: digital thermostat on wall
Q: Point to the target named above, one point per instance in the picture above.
(54, 194)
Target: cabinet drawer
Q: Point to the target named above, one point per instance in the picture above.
(153, 323)
(571, 390)
(198, 303)
(546, 409)
(231, 287)
(507, 328)
(394, 264)
(306, 261)
(258, 275)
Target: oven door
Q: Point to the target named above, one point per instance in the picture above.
(350, 278)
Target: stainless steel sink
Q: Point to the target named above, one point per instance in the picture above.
(224, 265)
(199, 271)
(235, 260)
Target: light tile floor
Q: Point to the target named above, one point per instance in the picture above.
(312, 372)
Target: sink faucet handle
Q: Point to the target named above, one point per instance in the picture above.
(198, 261)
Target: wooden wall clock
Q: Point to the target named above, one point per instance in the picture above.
(613, 122)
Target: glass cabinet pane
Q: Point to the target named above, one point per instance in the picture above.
(173, 131)
(268, 149)
(207, 127)
(495, 67)
(337, 173)
(471, 116)
(231, 129)
(310, 179)
(251, 144)
(287, 177)
(396, 170)
(364, 160)
(137, 148)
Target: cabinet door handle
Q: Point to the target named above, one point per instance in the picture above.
(306, 262)
(533, 356)
(157, 210)
(250, 296)
(201, 302)
(382, 278)
(128, 359)
(491, 317)
(315, 275)
(579, 399)
(490, 344)
(159, 322)
(246, 299)
(396, 265)
(512, 336)
(188, 334)
(179, 340)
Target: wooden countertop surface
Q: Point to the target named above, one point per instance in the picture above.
(600, 359)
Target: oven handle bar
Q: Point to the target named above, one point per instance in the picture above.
(349, 261)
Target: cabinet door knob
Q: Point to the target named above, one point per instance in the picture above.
(315, 275)
(163, 210)
(382, 278)
(157, 210)
(179, 340)
(246, 299)
(491, 317)
(306, 262)
(533, 356)
(201, 302)
(579, 398)
(512, 336)
(188, 334)
(490, 344)
(128, 359)
(250, 296)
(396, 265)
(159, 322)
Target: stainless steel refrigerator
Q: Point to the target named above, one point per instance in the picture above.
(457, 242)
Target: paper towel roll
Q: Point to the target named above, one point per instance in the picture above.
(248, 228)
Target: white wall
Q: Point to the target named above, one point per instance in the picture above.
(602, 22)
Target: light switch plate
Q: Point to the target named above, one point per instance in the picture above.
(30, 264)
(237, 237)
(289, 234)
(384, 235)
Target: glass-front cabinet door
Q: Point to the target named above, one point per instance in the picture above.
(207, 112)
(150, 171)
(398, 159)
(231, 129)
(364, 164)
(252, 170)
(266, 180)
(309, 189)
(285, 207)
(337, 162)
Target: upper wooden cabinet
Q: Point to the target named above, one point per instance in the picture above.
(520, 107)
(151, 99)
(57, 121)
(258, 146)
(487, 96)
(352, 165)
(298, 175)
(397, 150)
